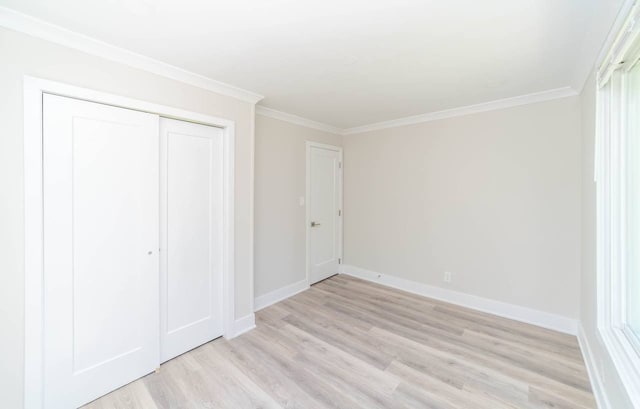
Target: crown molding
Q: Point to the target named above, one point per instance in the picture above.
(466, 110)
(298, 120)
(548, 95)
(26, 24)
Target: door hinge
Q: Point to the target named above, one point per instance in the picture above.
(339, 261)
(340, 165)
(339, 212)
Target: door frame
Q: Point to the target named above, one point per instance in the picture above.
(34, 88)
(309, 145)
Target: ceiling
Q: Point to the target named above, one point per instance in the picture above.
(349, 63)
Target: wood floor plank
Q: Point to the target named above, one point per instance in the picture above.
(299, 307)
(441, 315)
(416, 397)
(466, 377)
(284, 364)
(510, 325)
(234, 388)
(518, 358)
(131, 396)
(454, 369)
(478, 359)
(283, 389)
(342, 338)
(347, 365)
(348, 343)
(418, 313)
(474, 319)
(458, 397)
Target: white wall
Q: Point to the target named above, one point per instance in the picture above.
(492, 197)
(279, 183)
(588, 301)
(24, 55)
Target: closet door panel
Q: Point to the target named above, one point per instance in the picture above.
(100, 248)
(191, 225)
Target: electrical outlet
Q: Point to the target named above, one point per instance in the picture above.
(447, 277)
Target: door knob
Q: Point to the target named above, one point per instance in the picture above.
(314, 224)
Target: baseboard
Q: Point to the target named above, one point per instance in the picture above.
(599, 392)
(502, 309)
(241, 325)
(280, 294)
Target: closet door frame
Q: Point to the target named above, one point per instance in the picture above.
(34, 89)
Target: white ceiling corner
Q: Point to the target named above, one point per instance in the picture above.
(17, 21)
(468, 110)
(345, 65)
(426, 117)
(298, 120)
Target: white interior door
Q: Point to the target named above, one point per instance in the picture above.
(324, 201)
(191, 235)
(100, 249)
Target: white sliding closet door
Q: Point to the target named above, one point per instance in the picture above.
(191, 236)
(101, 313)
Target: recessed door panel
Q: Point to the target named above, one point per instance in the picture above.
(100, 248)
(191, 221)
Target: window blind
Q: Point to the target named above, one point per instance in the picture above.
(623, 52)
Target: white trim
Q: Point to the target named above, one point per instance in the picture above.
(623, 48)
(280, 294)
(229, 252)
(621, 18)
(466, 110)
(596, 378)
(426, 117)
(584, 68)
(309, 145)
(252, 179)
(502, 309)
(23, 23)
(625, 360)
(241, 325)
(612, 211)
(34, 88)
(297, 120)
(33, 248)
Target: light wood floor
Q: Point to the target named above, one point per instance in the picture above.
(347, 343)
